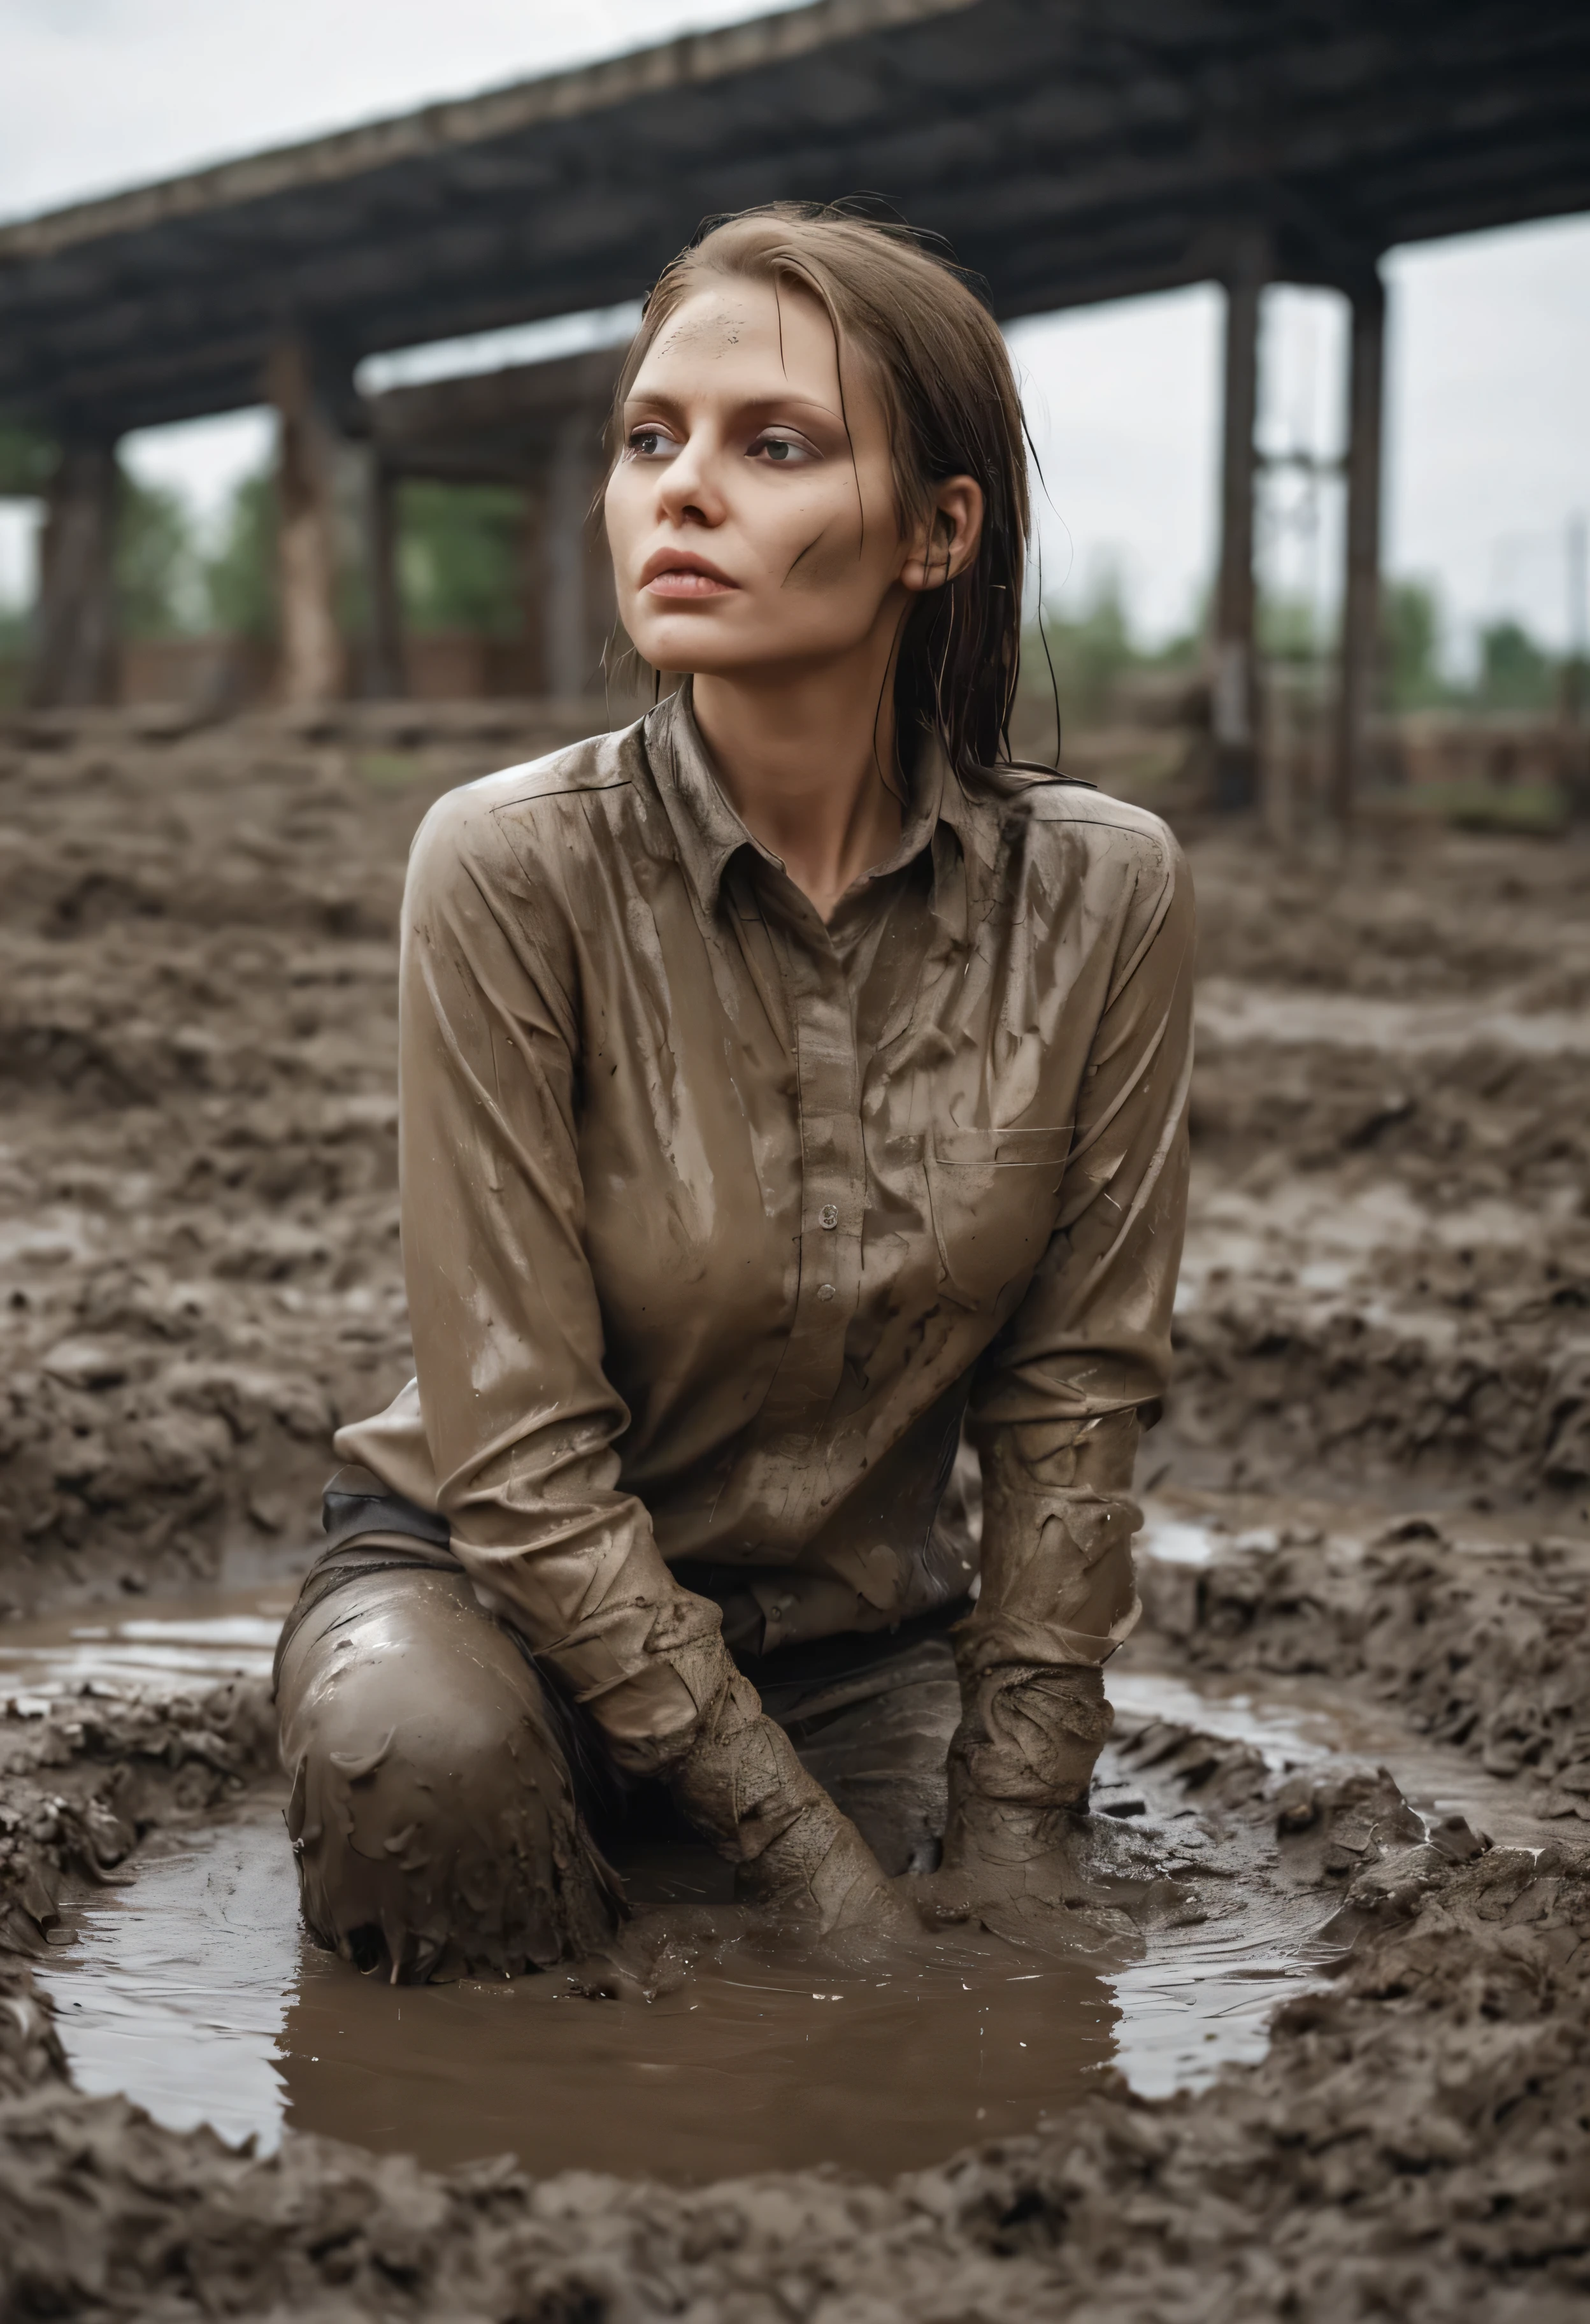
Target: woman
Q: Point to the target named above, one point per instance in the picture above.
(785, 1081)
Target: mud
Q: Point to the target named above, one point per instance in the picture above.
(1483, 1643)
(1375, 1461)
(197, 1166)
(1414, 2143)
(1388, 1268)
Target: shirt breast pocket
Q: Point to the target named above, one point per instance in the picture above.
(995, 1194)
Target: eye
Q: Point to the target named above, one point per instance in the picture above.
(781, 451)
(650, 440)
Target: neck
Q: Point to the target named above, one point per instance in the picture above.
(803, 759)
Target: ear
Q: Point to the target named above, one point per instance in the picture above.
(946, 542)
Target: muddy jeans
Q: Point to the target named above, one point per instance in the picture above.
(448, 1804)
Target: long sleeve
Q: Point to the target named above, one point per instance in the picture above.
(519, 1419)
(1055, 1408)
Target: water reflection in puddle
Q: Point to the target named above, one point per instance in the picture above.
(168, 1644)
(194, 1992)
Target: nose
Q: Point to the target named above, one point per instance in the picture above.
(691, 487)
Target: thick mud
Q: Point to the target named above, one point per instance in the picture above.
(1387, 1286)
(199, 1222)
(1366, 1661)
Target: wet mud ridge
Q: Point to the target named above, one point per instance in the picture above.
(1369, 1499)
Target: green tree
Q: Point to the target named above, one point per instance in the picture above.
(1515, 673)
(1091, 652)
(1088, 650)
(240, 572)
(13, 652)
(461, 557)
(1288, 629)
(157, 566)
(1410, 644)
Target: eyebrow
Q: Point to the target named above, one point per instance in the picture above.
(671, 406)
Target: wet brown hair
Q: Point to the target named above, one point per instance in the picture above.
(935, 356)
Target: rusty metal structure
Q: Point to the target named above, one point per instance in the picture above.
(1073, 151)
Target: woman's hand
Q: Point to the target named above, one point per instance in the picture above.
(1021, 1762)
(742, 1785)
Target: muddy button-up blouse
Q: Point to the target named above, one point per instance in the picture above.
(716, 1219)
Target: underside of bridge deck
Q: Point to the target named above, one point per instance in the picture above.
(1070, 150)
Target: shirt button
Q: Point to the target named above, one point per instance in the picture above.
(828, 1216)
(825, 1291)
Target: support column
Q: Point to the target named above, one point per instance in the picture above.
(314, 662)
(74, 663)
(567, 662)
(1360, 647)
(1575, 699)
(1235, 676)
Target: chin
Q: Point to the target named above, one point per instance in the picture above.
(689, 646)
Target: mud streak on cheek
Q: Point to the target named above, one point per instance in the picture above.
(820, 564)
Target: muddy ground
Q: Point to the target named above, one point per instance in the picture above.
(1381, 1417)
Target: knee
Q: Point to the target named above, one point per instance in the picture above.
(431, 1806)
(409, 1661)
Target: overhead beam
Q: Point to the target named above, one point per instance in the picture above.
(1072, 153)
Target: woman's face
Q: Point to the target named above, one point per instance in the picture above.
(751, 527)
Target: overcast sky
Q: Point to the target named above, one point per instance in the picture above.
(1489, 455)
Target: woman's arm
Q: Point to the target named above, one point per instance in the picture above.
(1055, 1409)
(521, 1419)
(521, 1422)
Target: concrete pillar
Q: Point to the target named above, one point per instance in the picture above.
(1360, 647)
(314, 662)
(74, 662)
(1235, 692)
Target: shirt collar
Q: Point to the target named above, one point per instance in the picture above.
(710, 834)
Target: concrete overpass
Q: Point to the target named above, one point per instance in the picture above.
(1073, 151)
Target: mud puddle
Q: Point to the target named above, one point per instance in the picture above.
(192, 1989)
(195, 1993)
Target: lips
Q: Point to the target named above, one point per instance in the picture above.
(680, 573)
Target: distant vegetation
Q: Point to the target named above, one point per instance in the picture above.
(461, 567)
(1514, 672)
(1091, 651)
(1098, 661)
(460, 557)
